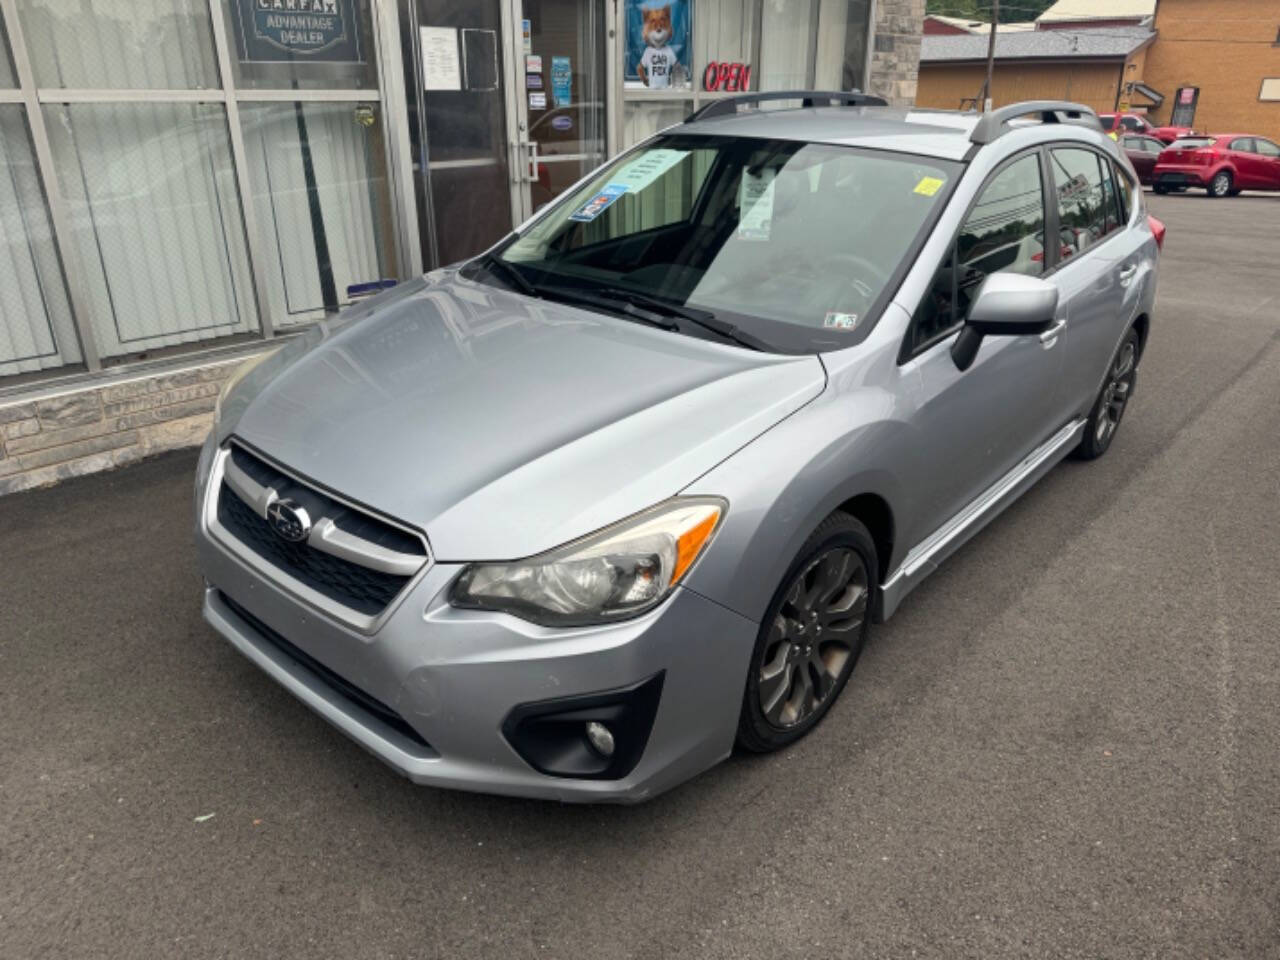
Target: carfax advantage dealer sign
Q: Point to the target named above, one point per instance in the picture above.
(290, 31)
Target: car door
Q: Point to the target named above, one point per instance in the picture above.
(1269, 163)
(1241, 153)
(976, 425)
(1138, 150)
(1098, 267)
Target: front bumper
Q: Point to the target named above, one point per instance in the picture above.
(453, 677)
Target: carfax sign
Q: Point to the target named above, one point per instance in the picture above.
(289, 31)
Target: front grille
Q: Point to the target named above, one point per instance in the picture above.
(363, 590)
(344, 688)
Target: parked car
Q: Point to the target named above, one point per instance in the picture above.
(1118, 124)
(1223, 164)
(573, 518)
(1142, 151)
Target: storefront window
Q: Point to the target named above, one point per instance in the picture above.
(155, 222)
(36, 330)
(786, 43)
(724, 38)
(120, 44)
(644, 118)
(322, 204)
(658, 52)
(7, 78)
(276, 45)
(844, 27)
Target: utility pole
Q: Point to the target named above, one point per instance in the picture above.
(991, 55)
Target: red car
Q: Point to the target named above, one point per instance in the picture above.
(1137, 123)
(1142, 151)
(1223, 164)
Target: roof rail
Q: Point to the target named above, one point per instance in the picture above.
(992, 125)
(729, 105)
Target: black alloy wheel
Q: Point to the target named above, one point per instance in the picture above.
(811, 636)
(1112, 400)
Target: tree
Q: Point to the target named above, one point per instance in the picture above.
(1011, 10)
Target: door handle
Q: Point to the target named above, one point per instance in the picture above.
(1051, 335)
(1127, 274)
(532, 159)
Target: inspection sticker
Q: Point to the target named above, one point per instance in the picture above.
(928, 186)
(840, 321)
(598, 204)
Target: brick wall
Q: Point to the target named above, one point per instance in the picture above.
(51, 437)
(1224, 47)
(895, 59)
(1091, 83)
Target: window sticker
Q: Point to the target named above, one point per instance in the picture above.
(648, 167)
(840, 321)
(928, 186)
(598, 204)
(755, 204)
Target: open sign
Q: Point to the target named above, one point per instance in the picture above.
(723, 75)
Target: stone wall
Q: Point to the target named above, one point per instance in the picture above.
(895, 59)
(49, 437)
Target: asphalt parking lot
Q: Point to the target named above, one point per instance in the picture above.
(1064, 745)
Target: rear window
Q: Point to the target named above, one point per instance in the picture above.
(1191, 143)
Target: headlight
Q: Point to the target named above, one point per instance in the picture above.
(238, 374)
(619, 572)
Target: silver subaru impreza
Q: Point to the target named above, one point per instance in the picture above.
(574, 518)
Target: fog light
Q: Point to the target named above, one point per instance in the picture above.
(600, 738)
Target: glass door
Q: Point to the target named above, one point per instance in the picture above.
(467, 133)
(558, 50)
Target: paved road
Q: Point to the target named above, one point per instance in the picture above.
(1065, 744)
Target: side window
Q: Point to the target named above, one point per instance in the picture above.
(1004, 233)
(1082, 203)
(1266, 148)
(1244, 144)
(1152, 145)
(1131, 123)
(1125, 193)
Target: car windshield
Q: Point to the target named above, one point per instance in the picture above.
(797, 244)
(1191, 143)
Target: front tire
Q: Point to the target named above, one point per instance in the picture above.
(1160, 188)
(1113, 399)
(811, 636)
(1220, 185)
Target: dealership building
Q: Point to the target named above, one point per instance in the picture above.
(184, 181)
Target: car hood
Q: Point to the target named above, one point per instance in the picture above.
(503, 425)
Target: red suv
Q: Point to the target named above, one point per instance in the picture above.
(1223, 164)
(1137, 123)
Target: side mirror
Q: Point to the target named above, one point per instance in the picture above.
(1006, 305)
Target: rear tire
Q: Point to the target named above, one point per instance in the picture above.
(1220, 185)
(1113, 400)
(810, 637)
(1160, 188)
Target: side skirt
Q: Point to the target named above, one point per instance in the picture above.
(925, 556)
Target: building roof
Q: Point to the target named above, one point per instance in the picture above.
(980, 27)
(1098, 10)
(1113, 43)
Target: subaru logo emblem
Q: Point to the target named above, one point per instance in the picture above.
(289, 520)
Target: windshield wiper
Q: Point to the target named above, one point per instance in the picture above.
(495, 264)
(605, 300)
(695, 315)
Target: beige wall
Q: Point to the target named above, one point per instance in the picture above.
(1224, 47)
(1091, 83)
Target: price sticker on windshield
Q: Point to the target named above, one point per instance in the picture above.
(755, 205)
(928, 186)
